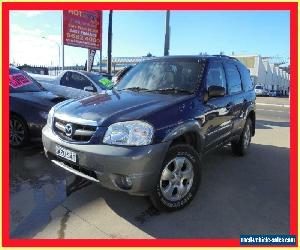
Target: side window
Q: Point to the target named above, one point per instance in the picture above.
(76, 80)
(246, 79)
(215, 75)
(234, 83)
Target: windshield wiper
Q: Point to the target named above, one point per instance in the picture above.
(177, 90)
(136, 89)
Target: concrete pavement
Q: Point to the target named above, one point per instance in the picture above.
(273, 101)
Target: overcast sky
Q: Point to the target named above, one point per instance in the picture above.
(135, 33)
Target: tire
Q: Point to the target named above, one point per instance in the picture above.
(18, 132)
(180, 169)
(241, 147)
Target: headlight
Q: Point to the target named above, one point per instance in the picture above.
(131, 133)
(50, 117)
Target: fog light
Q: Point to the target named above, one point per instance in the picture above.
(124, 182)
(127, 181)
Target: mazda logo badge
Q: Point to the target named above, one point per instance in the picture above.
(68, 130)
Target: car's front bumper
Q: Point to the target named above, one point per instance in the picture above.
(108, 163)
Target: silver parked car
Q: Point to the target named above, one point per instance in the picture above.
(75, 84)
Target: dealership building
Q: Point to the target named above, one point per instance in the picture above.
(264, 73)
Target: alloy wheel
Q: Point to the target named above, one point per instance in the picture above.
(177, 178)
(16, 132)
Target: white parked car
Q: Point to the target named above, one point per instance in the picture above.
(260, 91)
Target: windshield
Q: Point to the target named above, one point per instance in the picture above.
(173, 74)
(100, 80)
(20, 81)
(258, 87)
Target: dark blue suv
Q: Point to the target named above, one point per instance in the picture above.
(148, 135)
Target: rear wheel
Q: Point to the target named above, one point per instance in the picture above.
(241, 147)
(179, 178)
(18, 132)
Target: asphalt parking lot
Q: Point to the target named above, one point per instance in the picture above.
(248, 195)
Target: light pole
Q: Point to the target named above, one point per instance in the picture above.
(167, 34)
(109, 42)
(57, 46)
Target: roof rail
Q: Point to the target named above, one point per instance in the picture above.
(229, 57)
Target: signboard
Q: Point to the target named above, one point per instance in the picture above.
(91, 56)
(18, 80)
(82, 28)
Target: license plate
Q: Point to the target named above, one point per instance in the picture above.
(65, 153)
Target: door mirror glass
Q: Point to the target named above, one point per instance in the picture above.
(215, 91)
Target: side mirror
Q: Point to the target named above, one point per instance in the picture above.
(89, 88)
(216, 91)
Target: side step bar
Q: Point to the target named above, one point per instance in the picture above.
(74, 171)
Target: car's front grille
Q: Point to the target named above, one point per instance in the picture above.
(72, 131)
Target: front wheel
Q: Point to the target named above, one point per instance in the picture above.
(241, 147)
(18, 132)
(179, 179)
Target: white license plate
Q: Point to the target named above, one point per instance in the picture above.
(66, 153)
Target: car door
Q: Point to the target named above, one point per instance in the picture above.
(218, 114)
(236, 94)
(248, 97)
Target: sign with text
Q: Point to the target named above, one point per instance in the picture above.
(18, 80)
(82, 28)
(91, 56)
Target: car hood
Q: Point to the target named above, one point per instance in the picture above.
(105, 109)
(43, 99)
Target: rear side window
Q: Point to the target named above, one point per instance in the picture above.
(65, 80)
(234, 83)
(246, 79)
(215, 75)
